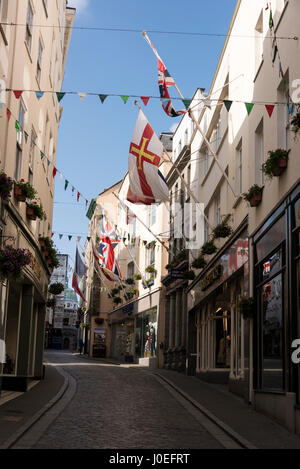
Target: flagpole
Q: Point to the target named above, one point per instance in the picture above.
(191, 114)
(123, 202)
(180, 175)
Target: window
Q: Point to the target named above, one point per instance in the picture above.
(206, 230)
(152, 214)
(39, 62)
(217, 208)
(130, 270)
(29, 22)
(18, 162)
(259, 153)
(186, 137)
(258, 45)
(150, 261)
(179, 147)
(239, 169)
(206, 160)
(31, 155)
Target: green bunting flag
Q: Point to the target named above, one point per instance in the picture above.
(275, 54)
(60, 236)
(66, 184)
(88, 238)
(271, 23)
(249, 107)
(70, 237)
(227, 104)
(17, 126)
(103, 97)
(42, 155)
(186, 102)
(60, 96)
(125, 98)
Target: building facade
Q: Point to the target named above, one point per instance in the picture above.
(31, 58)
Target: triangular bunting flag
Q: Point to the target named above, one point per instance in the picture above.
(249, 107)
(291, 108)
(275, 54)
(54, 172)
(82, 96)
(26, 136)
(60, 236)
(66, 184)
(103, 97)
(17, 126)
(271, 24)
(39, 94)
(227, 104)
(60, 96)
(124, 98)
(88, 238)
(18, 94)
(78, 195)
(60, 176)
(70, 237)
(145, 99)
(42, 155)
(8, 114)
(186, 102)
(270, 109)
(48, 161)
(78, 239)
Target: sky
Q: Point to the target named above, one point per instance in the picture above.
(94, 138)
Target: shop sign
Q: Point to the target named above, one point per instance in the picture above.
(175, 273)
(211, 277)
(36, 267)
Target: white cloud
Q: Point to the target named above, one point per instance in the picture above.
(80, 5)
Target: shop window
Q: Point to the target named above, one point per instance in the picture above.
(29, 22)
(271, 265)
(222, 329)
(271, 239)
(145, 334)
(11, 332)
(271, 297)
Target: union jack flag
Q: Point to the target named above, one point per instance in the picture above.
(108, 241)
(164, 81)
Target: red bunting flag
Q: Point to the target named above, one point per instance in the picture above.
(270, 109)
(8, 114)
(145, 99)
(54, 172)
(78, 195)
(86, 203)
(18, 94)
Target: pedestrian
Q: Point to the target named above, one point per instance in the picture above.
(80, 345)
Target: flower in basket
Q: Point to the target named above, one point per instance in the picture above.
(199, 263)
(223, 230)
(6, 185)
(26, 189)
(37, 210)
(151, 270)
(13, 260)
(56, 288)
(208, 248)
(254, 195)
(276, 163)
(137, 277)
(129, 281)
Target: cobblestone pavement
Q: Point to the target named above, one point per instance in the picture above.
(118, 407)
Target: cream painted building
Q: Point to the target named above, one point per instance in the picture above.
(32, 58)
(260, 259)
(134, 328)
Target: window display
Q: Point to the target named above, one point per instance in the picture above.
(145, 334)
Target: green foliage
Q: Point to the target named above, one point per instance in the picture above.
(255, 189)
(223, 230)
(208, 248)
(37, 209)
(199, 263)
(272, 163)
(56, 288)
(27, 189)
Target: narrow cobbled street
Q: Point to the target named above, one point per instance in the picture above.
(120, 407)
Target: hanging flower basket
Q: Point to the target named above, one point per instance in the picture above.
(114, 291)
(208, 248)
(13, 260)
(51, 303)
(117, 300)
(6, 185)
(276, 164)
(34, 210)
(223, 230)
(56, 288)
(246, 307)
(254, 195)
(189, 275)
(199, 263)
(151, 270)
(23, 190)
(129, 281)
(137, 277)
